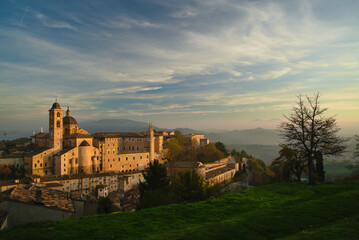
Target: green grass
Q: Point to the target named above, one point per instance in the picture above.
(277, 211)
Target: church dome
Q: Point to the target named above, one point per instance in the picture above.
(69, 120)
(56, 105)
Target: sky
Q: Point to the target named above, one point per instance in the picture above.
(199, 64)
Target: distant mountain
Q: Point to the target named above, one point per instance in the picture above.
(264, 152)
(258, 136)
(124, 125)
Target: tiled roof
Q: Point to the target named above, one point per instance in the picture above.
(84, 144)
(43, 196)
(185, 164)
(119, 134)
(42, 135)
(79, 135)
(219, 171)
(63, 151)
(37, 151)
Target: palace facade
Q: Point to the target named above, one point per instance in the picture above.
(68, 149)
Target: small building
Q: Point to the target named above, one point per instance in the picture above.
(102, 190)
(35, 204)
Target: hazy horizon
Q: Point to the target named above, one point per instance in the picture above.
(202, 65)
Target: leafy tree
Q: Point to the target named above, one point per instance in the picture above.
(189, 186)
(104, 205)
(355, 166)
(155, 186)
(307, 130)
(290, 164)
(173, 149)
(260, 175)
(221, 147)
(356, 152)
(209, 153)
(155, 177)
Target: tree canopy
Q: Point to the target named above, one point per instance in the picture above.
(308, 130)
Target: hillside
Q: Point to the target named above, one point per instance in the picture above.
(277, 211)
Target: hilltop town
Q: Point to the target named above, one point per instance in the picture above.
(67, 169)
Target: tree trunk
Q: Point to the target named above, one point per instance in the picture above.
(311, 171)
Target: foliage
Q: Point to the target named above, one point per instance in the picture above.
(11, 172)
(221, 147)
(189, 186)
(156, 186)
(289, 165)
(209, 153)
(180, 149)
(275, 211)
(308, 130)
(155, 177)
(259, 175)
(356, 152)
(104, 205)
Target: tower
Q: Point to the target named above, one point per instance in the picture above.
(55, 127)
(151, 142)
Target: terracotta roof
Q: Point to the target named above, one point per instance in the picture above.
(42, 135)
(120, 134)
(185, 164)
(219, 171)
(42, 196)
(79, 135)
(63, 151)
(54, 184)
(37, 151)
(84, 144)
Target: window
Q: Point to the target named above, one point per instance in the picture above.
(45, 164)
(35, 165)
(58, 114)
(129, 148)
(140, 157)
(58, 124)
(40, 164)
(134, 158)
(126, 158)
(64, 165)
(133, 148)
(119, 159)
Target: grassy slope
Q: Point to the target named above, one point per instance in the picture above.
(277, 211)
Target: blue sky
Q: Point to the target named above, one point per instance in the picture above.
(199, 64)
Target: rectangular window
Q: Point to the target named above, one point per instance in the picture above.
(119, 159)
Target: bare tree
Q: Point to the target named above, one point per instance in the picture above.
(308, 130)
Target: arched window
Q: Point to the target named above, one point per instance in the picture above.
(58, 124)
(58, 114)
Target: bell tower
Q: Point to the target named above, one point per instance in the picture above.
(151, 142)
(56, 126)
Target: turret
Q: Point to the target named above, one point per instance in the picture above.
(151, 142)
(55, 127)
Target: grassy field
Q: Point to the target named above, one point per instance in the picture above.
(277, 211)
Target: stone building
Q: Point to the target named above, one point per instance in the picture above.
(68, 149)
